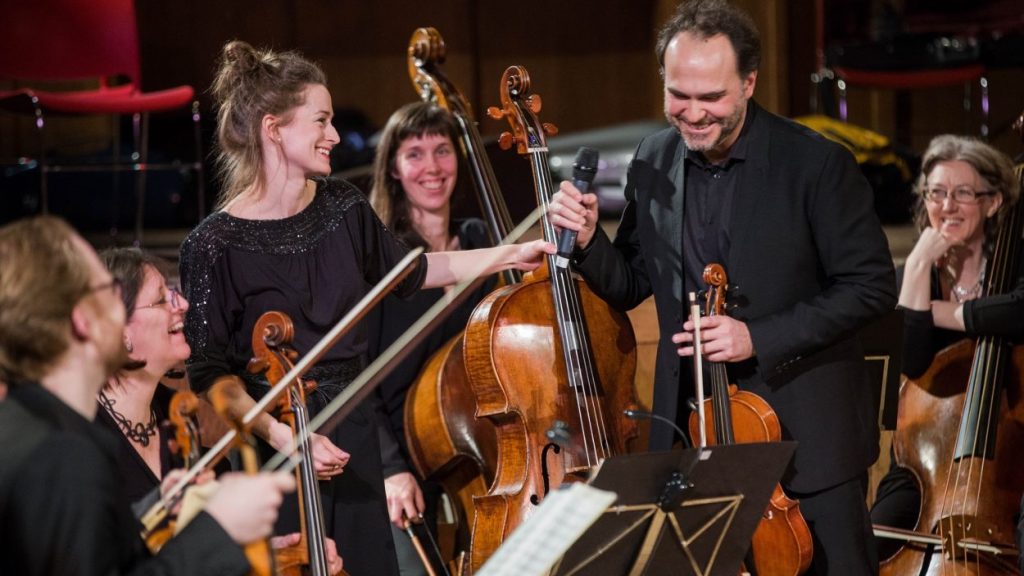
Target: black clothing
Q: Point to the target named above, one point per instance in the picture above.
(313, 266)
(710, 189)
(394, 316)
(61, 504)
(996, 315)
(812, 265)
(831, 515)
(141, 486)
(139, 481)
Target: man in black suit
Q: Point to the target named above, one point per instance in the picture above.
(61, 511)
(790, 217)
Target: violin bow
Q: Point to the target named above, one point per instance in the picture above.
(152, 518)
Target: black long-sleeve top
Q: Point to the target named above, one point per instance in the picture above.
(996, 315)
(313, 266)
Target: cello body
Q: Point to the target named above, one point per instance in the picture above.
(950, 499)
(447, 443)
(516, 369)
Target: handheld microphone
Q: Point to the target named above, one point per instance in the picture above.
(584, 168)
(640, 414)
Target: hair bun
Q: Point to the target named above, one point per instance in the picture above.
(240, 56)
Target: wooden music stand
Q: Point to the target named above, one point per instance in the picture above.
(677, 513)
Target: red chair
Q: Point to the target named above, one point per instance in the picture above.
(75, 40)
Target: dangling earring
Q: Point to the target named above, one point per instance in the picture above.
(128, 345)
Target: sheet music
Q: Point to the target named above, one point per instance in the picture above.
(564, 516)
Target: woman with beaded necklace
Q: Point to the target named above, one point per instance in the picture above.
(135, 402)
(965, 191)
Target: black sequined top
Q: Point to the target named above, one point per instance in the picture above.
(313, 266)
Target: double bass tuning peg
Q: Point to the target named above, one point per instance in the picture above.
(506, 140)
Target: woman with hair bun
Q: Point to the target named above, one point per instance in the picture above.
(287, 237)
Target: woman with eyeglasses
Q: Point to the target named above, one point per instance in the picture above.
(134, 402)
(964, 192)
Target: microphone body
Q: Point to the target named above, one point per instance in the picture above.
(584, 168)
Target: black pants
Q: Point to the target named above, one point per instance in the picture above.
(841, 528)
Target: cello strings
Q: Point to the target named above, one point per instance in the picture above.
(583, 359)
(566, 328)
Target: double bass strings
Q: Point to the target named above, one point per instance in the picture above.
(364, 384)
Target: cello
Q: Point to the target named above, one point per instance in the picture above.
(447, 442)
(530, 356)
(782, 542)
(963, 443)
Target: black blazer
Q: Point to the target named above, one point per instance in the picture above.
(812, 266)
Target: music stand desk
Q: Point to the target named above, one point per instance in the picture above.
(704, 530)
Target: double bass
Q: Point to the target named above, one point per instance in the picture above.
(782, 542)
(550, 363)
(963, 444)
(448, 444)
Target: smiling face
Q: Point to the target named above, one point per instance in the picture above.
(308, 136)
(957, 222)
(705, 97)
(427, 167)
(155, 326)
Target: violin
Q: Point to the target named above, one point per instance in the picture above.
(959, 430)
(782, 542)
(185, 443)
(271, 337)
(530, 356)
(224, 393)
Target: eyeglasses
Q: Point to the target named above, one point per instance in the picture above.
(172, 296)
(115, 285)
(960, 195)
